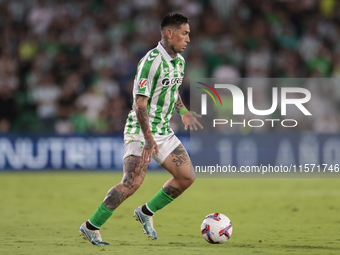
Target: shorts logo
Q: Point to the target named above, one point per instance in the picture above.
(142, 82)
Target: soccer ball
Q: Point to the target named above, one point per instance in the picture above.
(216, 228)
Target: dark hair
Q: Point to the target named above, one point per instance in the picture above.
(174, 19)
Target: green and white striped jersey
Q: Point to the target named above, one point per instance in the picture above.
(158, 77)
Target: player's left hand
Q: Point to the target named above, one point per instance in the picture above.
(190, 120)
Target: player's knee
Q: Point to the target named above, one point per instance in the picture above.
(186, 182)
(132, 183)
(191, 181)
(188, 177)
(192, 177)
(137, 183)
(190, 174)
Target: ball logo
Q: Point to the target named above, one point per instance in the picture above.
(166, 82)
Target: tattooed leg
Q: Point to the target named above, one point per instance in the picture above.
(134, 173)
(179, 165)
(171, 191)
(180, 157)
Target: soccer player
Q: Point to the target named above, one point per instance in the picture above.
(147, 133)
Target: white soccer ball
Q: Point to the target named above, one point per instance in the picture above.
(216, 228)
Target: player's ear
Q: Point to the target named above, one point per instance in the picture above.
(169, 33)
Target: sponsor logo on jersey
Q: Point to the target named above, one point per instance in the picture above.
(167, 81)
(142, 83)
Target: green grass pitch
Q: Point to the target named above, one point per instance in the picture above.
(40, 213)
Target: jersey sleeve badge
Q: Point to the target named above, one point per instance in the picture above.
(142, 83)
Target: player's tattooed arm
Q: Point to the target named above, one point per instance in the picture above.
(143, 119)
(143, 116)
(179, 104)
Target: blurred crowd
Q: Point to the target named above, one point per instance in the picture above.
(68, 66)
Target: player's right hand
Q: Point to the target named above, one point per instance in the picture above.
(190, 120)
(149, 147)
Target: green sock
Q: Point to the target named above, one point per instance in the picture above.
(160, 200)
(101, 215)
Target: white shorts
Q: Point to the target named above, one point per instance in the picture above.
(166, 144)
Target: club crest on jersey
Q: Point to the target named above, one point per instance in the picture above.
(142, 83)
(180, 67)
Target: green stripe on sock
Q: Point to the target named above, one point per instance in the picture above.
(101, 215)
(160, 200)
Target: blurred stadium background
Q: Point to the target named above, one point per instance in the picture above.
(67, 67)
(66, 76)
